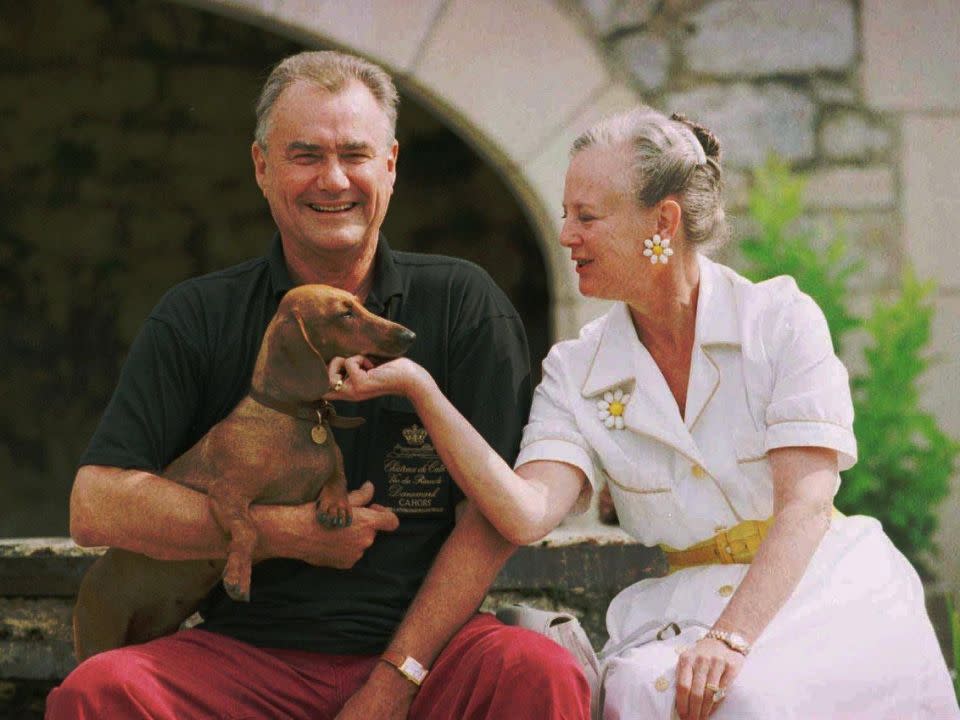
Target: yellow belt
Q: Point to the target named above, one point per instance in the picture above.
(738, 544)
(735, 545)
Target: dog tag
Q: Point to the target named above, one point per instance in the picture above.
(319, 434)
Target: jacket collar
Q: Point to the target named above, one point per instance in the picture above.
(621, 361)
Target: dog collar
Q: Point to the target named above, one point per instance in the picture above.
(320, 412)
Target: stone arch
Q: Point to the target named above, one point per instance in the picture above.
(516, 80)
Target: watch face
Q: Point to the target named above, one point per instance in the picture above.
(414, 669)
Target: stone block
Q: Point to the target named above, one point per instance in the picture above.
(206, 94)
(387, 31)
(850, 135)
(221, 155)
(646, 57)
(43, 567)
(35, 638)
(911, 52)
(632, 13)
(736, 189)
(931, 212)
(872, 238)
(515, 71)
(601, 13)
(752, 121)
(45, 100)
(765, 37)
(68, 97)
(123, 85)
(833, 92)
(42, 30)
(851, 187)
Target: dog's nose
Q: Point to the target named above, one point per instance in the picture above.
(407, 336)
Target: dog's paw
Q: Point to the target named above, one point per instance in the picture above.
(334, 518)
(333, 509)
(236, 592)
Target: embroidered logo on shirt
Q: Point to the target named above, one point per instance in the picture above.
(415, 475)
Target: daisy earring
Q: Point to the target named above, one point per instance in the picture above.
(657, 249)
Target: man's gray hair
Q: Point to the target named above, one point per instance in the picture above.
(332, 71)
(670, 156)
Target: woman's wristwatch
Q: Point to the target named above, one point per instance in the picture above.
(732, 640)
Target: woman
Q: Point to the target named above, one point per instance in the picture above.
(719, 415)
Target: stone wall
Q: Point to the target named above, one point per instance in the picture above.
(772, 76)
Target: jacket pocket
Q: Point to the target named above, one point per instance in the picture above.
(632, 485)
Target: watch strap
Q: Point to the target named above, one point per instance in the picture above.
(407, 666)
(732, 640)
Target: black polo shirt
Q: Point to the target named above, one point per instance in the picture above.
(192, 363)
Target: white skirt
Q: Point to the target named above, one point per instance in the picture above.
(853, 641)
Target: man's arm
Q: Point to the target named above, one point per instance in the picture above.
(149, 514)
(456, 585)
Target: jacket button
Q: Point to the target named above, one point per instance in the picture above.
(725, 590)
(698, 472)
(662, 684)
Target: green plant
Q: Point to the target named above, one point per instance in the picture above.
(954, 615)
(906, 460)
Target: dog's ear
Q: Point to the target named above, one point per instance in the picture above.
(289, 366)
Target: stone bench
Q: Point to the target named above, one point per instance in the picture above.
(39, 578)
(574, 570)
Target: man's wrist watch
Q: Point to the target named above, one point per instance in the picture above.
(407, 666)
(732, 640)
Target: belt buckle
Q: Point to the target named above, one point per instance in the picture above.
(738, 544)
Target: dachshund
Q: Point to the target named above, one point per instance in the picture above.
(275, 447)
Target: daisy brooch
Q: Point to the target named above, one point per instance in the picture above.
(657, 249)
(610, 409)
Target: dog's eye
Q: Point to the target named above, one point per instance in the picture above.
(347, 314)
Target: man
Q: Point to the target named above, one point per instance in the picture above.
(405, 579)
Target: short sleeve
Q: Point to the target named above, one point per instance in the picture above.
(552, 432)
(148, 420)
(489, 363)
(810, 405)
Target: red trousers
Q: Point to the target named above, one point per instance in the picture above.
(488, 670)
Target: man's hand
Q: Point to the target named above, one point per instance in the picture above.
(293, 531)
(386, 695)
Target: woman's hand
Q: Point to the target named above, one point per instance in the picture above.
(703, 668)
(356, 378)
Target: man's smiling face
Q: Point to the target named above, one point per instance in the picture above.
(328, 169)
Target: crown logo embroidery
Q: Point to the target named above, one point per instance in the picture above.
(414, 435)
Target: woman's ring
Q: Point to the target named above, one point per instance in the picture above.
(718, 692)
(339, 384)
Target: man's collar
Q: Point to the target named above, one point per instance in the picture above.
(280, 278)
(386, 278)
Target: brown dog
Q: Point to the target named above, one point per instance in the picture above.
(275, 447)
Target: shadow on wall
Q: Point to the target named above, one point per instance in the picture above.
(126, 129)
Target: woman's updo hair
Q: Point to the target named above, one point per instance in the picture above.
(670, 156)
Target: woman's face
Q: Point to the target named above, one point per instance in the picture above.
(604, 227)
